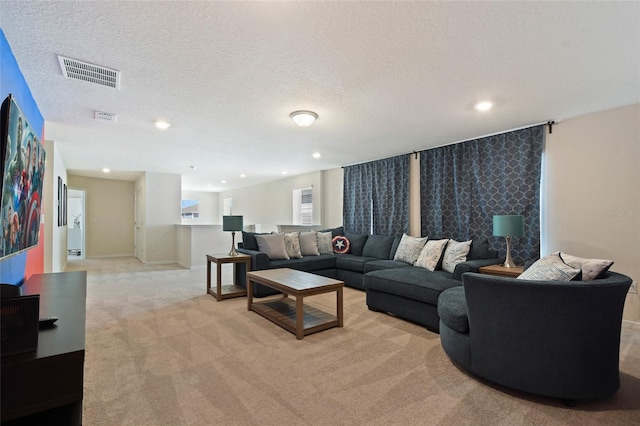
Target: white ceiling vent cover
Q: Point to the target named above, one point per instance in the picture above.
(107, 117)
(79, 70)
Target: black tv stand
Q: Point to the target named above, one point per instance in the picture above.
(46, 386)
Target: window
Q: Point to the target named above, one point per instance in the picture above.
(190, 209)
(303, 206)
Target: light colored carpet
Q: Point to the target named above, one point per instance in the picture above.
(159, 351)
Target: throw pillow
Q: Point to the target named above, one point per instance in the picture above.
(378, 246)
(309, 243)
(409, 249)
(549, 268)
(249, 240)
(292, 245)
(456, 252)
(591, 268)
(273, 246)
(324, 242)
(356, 242)
(341, 244)
(431, 254)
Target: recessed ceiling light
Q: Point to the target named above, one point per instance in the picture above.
(243, 175)
(285, 172)
(162, 125)
(223, 181)
(106, 170)
(483, 106)
(316, 155)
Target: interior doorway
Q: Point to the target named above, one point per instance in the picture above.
(76, 224)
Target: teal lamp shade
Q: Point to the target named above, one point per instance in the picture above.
(508, 226)
(233, 224)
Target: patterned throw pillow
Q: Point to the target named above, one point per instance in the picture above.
(292, 244)
(309, 243)
(273, 246)
(591, 268)
(549, 268)
(409, 249)
(340, 244)
(431, 254)
(324, 242)
(456, 252)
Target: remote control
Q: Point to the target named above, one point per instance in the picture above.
(46, 322)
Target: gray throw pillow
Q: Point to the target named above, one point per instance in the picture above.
(549, 268)
(591, 268)
(309, 244)
(292, 245)
(273, 246)
(409, 248)
(456, 252)
(431, 254)
(324, 242)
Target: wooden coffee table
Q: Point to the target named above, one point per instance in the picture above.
(293, 315)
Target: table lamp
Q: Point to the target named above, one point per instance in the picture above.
(233, 224)
(508, 226)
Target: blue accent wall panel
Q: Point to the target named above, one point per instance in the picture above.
(12, 269)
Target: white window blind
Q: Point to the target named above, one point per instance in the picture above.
(303, 206)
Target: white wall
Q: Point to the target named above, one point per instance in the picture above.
(332, 197)
(271, 204)
(209, 214)
(55, 252)
(162, 198)
(591, 201)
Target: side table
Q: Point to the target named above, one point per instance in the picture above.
(502, 270)
(230, 290)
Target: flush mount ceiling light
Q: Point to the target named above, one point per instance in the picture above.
(304, 118)
(105, 170)
(316, 155)
(162, 125)
(483, 106)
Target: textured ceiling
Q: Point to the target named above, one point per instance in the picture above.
(385, 78)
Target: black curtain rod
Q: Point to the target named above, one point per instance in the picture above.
(549, 123)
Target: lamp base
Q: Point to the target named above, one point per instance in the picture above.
(233, 251)
(509, 263)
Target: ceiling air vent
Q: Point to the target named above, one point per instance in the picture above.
(107, 117)
(79, 70)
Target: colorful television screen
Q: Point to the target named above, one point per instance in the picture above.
(23, 161)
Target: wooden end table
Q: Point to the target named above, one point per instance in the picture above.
(291, 315)
(231, 290)
(502, 271)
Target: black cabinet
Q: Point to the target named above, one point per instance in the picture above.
(45, 386)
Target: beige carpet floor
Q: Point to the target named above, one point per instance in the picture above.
(159, 351)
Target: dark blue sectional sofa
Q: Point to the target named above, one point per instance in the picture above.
(393, 287)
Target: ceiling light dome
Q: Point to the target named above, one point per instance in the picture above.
(304, 118)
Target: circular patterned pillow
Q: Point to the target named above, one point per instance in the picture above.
(340, 244)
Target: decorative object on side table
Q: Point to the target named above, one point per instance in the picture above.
(508, 226)
(233, 224)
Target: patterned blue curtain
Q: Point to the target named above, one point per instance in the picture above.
(357, 196)
(462, 186)
(391, 196)
(376, 196)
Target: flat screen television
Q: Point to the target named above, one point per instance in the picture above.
(22, 171)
